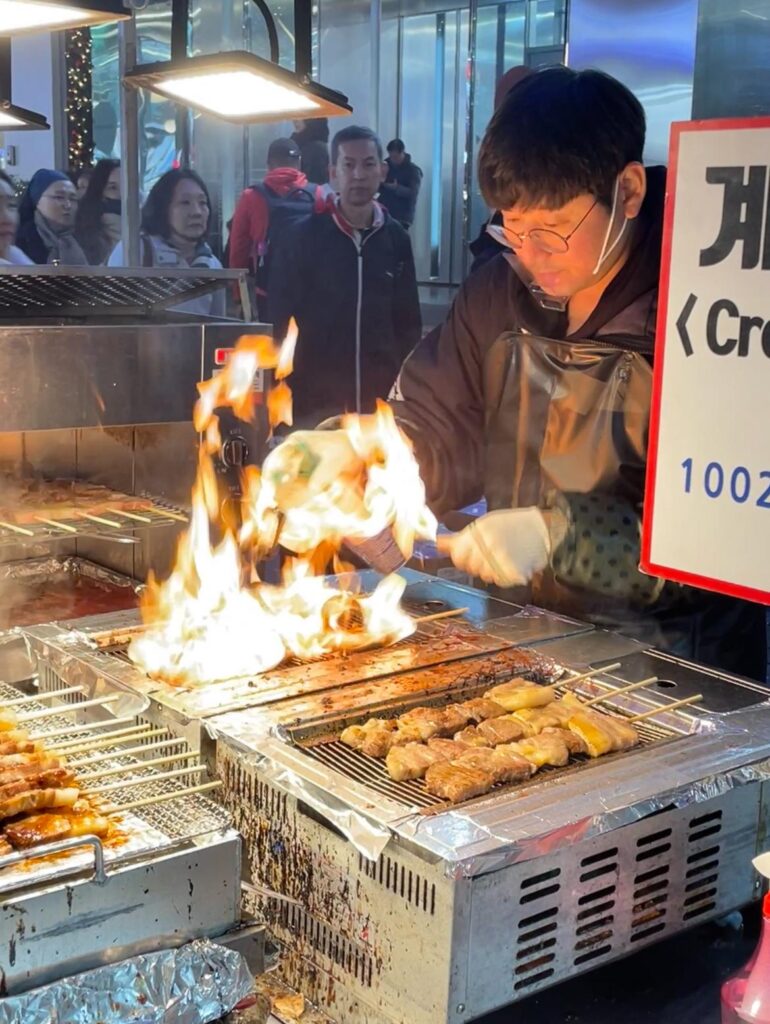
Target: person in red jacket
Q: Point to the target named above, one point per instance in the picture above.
(268, 209)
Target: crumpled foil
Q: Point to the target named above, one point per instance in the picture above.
(196, 983)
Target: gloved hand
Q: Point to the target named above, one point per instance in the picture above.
(310, 462)
(506, 547)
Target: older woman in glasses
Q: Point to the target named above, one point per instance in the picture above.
(47, 220)
(535, 393)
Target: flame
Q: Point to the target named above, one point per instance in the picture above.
(213, 618)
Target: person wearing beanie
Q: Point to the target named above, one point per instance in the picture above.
(47, 220)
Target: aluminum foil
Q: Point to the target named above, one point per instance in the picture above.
(722, 752)
(199, 982)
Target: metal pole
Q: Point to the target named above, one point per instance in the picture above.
(180, 16)
(130, 184)
(473, 13)
(5, 68)
(303, 39)
(375, 26)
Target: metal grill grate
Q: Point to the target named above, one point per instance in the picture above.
(107, 522)
(372, 772)
(180, 820)
(48, 291)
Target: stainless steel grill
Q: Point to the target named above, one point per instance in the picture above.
(114, 524)
(504, 895)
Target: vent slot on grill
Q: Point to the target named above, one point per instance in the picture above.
(536, 939)
(402, 881)
(595, 924)
(329, 943)
(701, 890)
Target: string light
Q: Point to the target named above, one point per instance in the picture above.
(79, 105)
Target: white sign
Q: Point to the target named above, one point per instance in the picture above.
(707, 503)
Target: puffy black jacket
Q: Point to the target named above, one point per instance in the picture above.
(400, 201)
(355, 302)
(501, 401)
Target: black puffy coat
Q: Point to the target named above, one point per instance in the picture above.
(356, 304)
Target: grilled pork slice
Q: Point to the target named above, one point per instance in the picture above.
(479, 709)
(8, 720)
(355, 735)
(49, 828)
(502, 730)
(519, 693)
(5, 847)
(574, 743)
(29, 765)
(37, 800)
(554, 715)
(449, 748)
(50, 778)
(602, 734)
(503, 764)
(19, 747)
(472, 737)
(410, 761)
(455, 782)
(542, 750)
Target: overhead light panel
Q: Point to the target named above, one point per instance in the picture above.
(20, 16)
(17, 119)
(239, 87)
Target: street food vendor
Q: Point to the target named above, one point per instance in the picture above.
(535, 392)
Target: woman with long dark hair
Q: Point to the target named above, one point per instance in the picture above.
(97, 222)
(175, 223)
(10, 254)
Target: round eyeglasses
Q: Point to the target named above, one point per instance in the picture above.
(543, 238)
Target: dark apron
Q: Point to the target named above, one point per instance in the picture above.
(573, 417)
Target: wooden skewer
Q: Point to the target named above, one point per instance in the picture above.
(31, 716)
(450, 613)
(123, 769)
(623, 689)
(133, 515)
(155, 777)
(17, 701)
(590, 675)
(163, 798)
(57, 525)
(666, 707)
(159, 510)
(100, 519)
(68, 730)
(140, 749)
(18, 529)
(100, 744)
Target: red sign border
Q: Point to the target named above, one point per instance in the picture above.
(678, 128)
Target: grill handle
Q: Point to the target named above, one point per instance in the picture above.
(63, 846)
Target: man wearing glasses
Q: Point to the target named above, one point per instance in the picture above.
(535, 393)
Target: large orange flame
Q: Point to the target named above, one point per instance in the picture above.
(213, 618)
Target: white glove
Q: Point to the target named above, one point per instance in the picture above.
(309, 463)
(505, 548)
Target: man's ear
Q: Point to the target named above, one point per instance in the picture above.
(383, 171)
(633, 188)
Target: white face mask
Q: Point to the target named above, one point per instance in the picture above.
(603, 255)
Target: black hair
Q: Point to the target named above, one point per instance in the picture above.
(8, 180)
(155, 210)
(78, 173)
(88, 218)
(560, 133)
(315, 129)
(396, 146)
(355, 134)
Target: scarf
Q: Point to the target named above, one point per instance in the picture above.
(60, 243)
